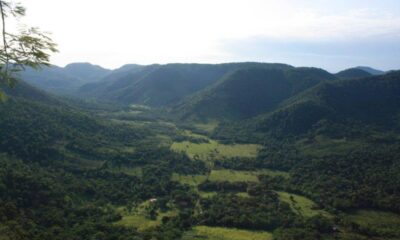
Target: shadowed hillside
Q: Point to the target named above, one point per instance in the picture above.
(163, 85)
(248, 92)
(64, 81)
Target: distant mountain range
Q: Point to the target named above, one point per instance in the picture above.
(353, 73)
(248, 92)
(371, 70)
(65, 80)
(271, 98)
(159, 85)
(335, 136)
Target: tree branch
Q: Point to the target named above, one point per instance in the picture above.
(4, 36)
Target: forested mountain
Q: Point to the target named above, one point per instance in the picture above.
(163, 85)
(290, 153)
(86, 72)
(248, 92)
(24, 91)
(58, 165)
(371, 70)
(66, 80)
(35, 122)
(353, 73)
(336, 107)
(340, 140)
(372, 101)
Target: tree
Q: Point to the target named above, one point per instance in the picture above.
(27, 47)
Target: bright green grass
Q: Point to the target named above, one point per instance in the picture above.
(226, 175)
(233, 176)
(207, 194)
(219, 233)
(301, 205)
(242, 176)
(214, 150)
(192, 180)
(243, 195)
(383, 223)
(138, 219)
(212, 194)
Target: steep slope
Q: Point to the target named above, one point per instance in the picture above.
(52, 79)
(353, 73)
(248, 92)
(53, 173)
(66, 80)
(37, 126)
(335, 107)
(23, 90)
(163, 85)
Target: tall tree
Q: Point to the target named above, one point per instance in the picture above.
(26, 47)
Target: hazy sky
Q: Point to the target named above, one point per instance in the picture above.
(324, 33)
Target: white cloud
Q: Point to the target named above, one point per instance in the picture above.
(147, 31)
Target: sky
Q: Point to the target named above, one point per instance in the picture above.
(333, 35)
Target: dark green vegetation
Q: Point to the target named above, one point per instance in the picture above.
(64, 81)
(162, 85)
(243, 151)
(353, 73)
(249, 92)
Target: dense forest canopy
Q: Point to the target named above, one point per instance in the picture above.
(243, 150)
(310, 156)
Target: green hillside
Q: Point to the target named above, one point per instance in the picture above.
(366, 103)
(338, 139)
(63, 81)
(303, 155)
(163, 85)
(249, 92)
(353, 73)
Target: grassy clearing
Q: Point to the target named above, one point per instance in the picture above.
(137, 221)
(233, 176)
(226, 175)
(219, 233)
(243, 195)
(138, 218)
(192, 180)
(301, 205)
(242, 176)
(214, 150)
(217, 176)
(383, 223)
(370, 217)
(207, 194)
(321, 146)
